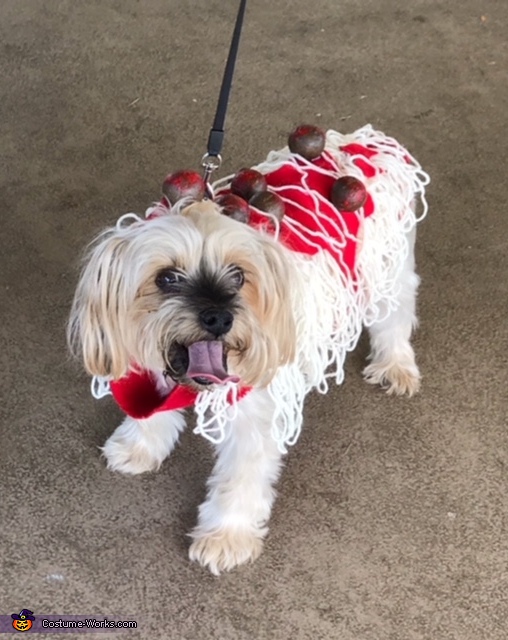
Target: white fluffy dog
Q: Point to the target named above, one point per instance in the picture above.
(241, 321)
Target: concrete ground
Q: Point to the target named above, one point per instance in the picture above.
(391, 521)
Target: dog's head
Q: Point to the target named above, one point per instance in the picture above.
(196, 294)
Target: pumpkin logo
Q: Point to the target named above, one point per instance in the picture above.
(23, 620)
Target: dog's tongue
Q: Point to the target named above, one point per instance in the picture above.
(206, 363)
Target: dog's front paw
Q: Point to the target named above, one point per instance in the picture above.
(395, 377)
(226, 548)
(129, 451)
(129, 458)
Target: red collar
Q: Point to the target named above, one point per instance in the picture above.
(137, 395)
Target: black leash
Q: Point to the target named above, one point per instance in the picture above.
(212, 158)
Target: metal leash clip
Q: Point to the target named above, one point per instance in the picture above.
(210, 163)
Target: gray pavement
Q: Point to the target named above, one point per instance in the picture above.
(391, 521)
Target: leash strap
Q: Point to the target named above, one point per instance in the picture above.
(212, 158)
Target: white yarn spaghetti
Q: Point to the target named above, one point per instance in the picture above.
(215, 411)
(341, 302)
(100, 387)
(129, 218)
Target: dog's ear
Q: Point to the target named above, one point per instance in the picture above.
(270, 293)
(278, 289)
(98, 318)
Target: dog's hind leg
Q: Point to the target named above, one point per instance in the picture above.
(392, 357)
(137, 446)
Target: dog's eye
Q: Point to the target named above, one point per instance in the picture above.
(237, 276)
(168, 280)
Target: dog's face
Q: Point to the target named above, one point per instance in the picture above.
(196, 294)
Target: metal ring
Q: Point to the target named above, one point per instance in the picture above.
(211, 162)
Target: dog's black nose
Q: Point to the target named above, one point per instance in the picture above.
(216, 321)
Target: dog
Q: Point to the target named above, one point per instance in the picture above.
(192, 308)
